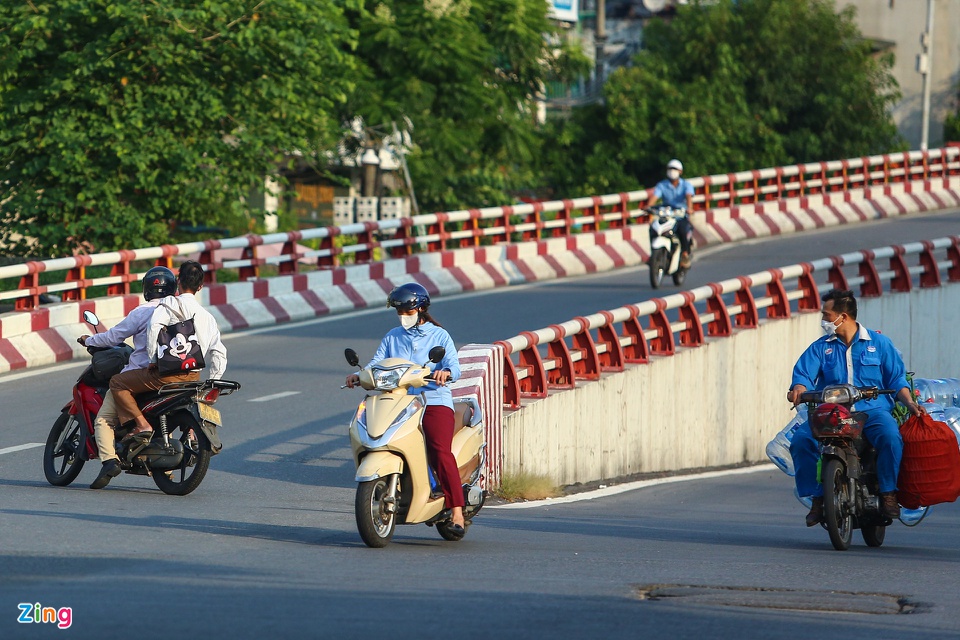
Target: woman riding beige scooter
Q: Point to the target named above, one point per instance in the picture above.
(411, 344)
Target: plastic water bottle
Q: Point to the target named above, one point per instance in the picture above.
(912, 517)
(778, 449)
(951, 415)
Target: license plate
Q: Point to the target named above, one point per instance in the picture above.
(209, 414)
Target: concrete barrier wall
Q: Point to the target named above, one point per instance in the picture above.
(715, 405)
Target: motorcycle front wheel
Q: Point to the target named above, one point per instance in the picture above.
(376, 517)
(186, 477)
(62, 459)
(680, 276)
(836, 500)
(658, 267)
(873, 536)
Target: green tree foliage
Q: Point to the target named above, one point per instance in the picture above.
(729, 86)
(465, 74)
(117, 117)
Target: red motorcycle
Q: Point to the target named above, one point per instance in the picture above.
(184, 421)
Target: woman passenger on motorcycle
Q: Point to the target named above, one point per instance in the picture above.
(412, 340)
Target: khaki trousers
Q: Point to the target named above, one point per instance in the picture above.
(103, 428)
(129, 383)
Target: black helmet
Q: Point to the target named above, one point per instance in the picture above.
(159, 282)
(409, 296)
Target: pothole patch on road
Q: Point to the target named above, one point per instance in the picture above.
(773, 598)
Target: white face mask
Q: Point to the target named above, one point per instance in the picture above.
(409, 322)
(673, 174)
(830, 328)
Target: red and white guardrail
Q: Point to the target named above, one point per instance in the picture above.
(556, 357)
(737, 195)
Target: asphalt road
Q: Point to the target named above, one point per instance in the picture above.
(267, 546)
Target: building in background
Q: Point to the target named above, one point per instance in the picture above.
(898, 26)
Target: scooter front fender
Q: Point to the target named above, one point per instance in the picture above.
(378, 464)
(660, 242)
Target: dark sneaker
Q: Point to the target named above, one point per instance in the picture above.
(816, 513)
(109, 470)
(889, 507)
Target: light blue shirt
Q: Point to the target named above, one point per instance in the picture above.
(674, 196)
(135, 324)
(415, 345)
(870, 360)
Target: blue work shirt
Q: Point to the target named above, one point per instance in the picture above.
(675, 196)
(870, 360)
(414, 345)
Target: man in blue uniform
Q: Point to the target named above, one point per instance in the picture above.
(850, 353)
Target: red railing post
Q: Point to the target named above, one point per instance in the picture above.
(663, 344)
(290, 249)
(871, 287)
(953, 254)
(780, 305)
(720, 326)
(748, 317)
(612, 357)
(930, 277)
(637, 351)
(901, 281)
(810, 300)
(692, 335)
(588, 366)
(511, 384)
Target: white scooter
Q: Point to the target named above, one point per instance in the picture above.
(665, 245)
(396, 483)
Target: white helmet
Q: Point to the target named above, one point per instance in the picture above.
(675, 164)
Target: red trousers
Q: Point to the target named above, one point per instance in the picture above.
(438, 429)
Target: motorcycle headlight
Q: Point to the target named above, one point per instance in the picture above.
(388, 379)
(838, 395)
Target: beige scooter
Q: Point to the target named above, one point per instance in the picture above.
(396, 484)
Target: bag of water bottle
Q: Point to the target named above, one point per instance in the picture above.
(945, 391)
(778, 449)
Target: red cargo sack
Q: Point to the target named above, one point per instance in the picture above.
(930, 468)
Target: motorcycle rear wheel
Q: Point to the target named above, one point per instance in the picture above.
(374, 523)
(836, 500)
(658, 267)
(192, 469)
(62, 459)
(873, 536)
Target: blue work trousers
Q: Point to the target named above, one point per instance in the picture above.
(880, 430)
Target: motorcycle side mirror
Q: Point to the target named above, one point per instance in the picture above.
(91, 318)
(352, 358)
(437, 353)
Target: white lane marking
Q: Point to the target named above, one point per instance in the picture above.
(41, 371)
(275, 396)
(629, 486)
(21, 447)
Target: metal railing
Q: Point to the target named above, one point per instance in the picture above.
(556, 357)
(475, 227)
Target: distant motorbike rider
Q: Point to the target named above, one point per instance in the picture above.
(158, 282)
(850, 353)
(412, 340)
(677, 193)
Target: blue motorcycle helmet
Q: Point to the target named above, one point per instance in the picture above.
(409, 296)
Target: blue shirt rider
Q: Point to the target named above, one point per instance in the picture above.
(677, 193)
(850, 353)
(412, 340)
